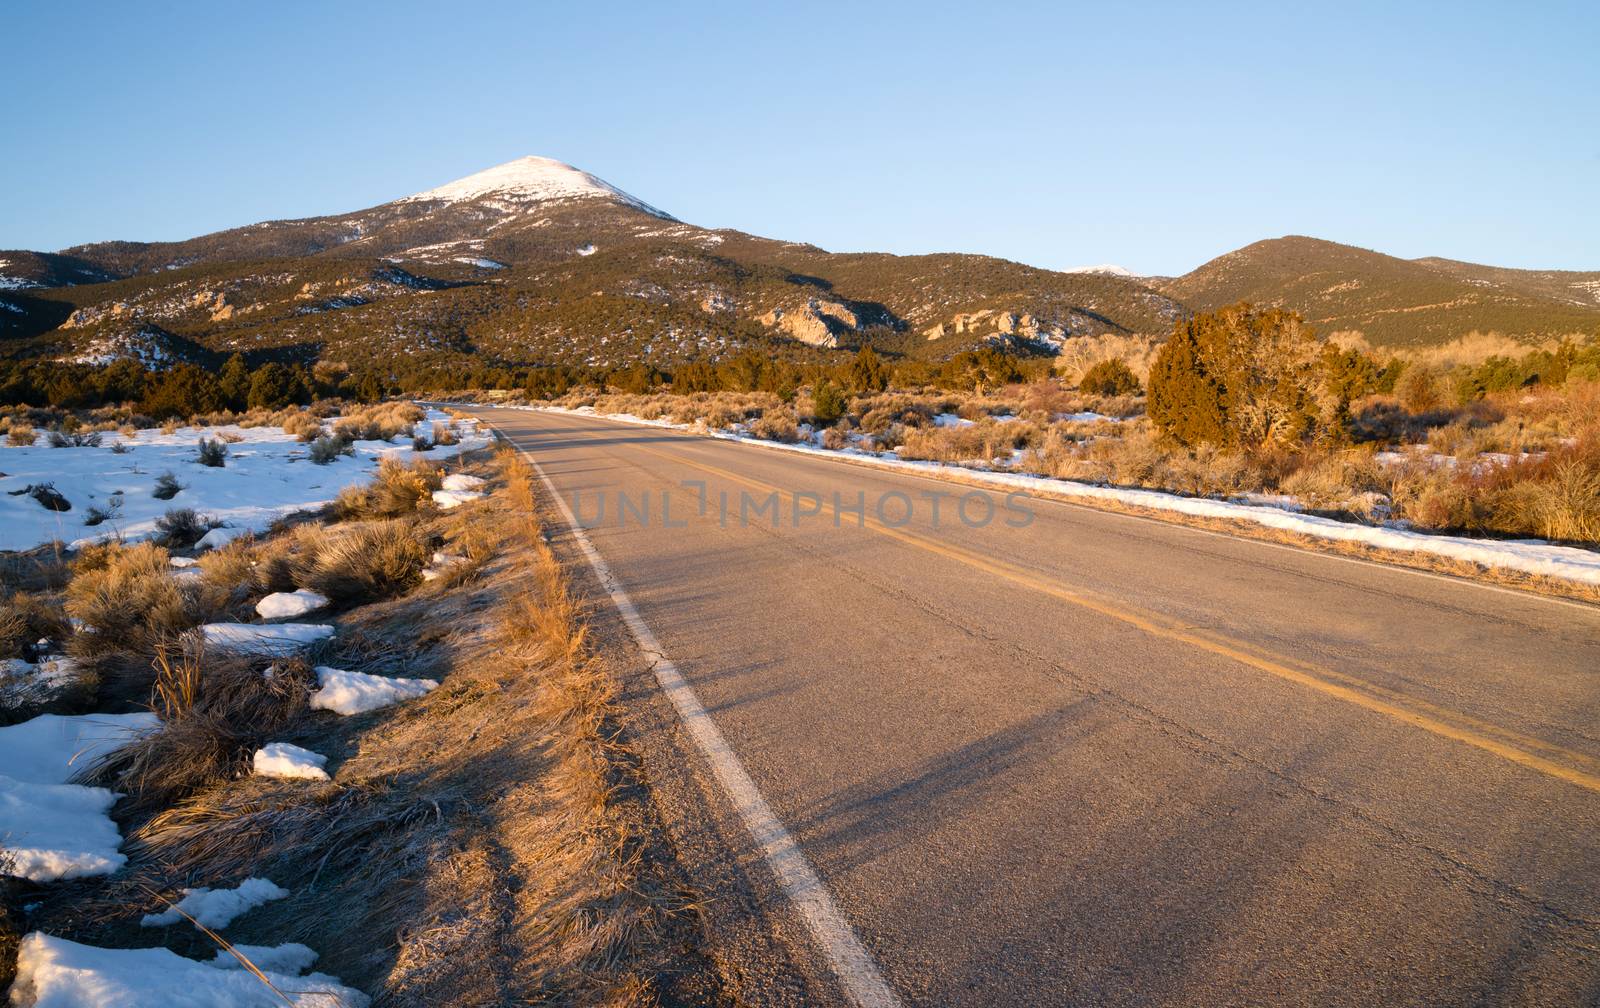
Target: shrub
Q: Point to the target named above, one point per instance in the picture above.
(827, 403)
(21, 436)
(1420, 389)
(74, 439)
(302, 425)
(420, 444)
(776, 425)
(25, 619)
(167, 487)
(216, 709)
(327, 448)
(1243, 378)
(96, 515)
(213, 452)
(181, 528)
(372, 561)
(443, 434)
(48, 497)
(126, 599)
(1109, 377)
(378, 423)
(835, 439)
(398, 489)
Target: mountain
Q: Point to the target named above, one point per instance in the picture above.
(537, 262)
(1396, 302)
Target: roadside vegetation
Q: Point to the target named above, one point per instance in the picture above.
(479, 841)
(1483, 436)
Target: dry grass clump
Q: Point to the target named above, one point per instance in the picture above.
(302, 426)
(367, 562)
(216, 709)
(398, 489)
(181, 528)
(983, 441)
(383, 422)
(226, 583)
(1555, 495)
(21, 435)
(25, 619)
(126, 599)
(776, 425)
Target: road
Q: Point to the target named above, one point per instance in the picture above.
(1095, 759)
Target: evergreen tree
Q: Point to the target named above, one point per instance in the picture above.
(183, 392)
(868, 373)
(272, 387)
(234, 378)
(1243, 377)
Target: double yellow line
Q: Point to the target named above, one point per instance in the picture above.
(1511, 746)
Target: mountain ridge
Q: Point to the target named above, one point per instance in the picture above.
(535, 261)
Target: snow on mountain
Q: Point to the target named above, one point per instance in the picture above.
(1105, 269)
(530, 180)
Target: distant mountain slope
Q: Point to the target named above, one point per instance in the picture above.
(21, 270)
(1391, 301)
(535, 261)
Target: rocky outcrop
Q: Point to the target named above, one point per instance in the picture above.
(1014, 328)
(817, 322)
(215, 302)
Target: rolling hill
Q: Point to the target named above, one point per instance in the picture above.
(1391, 301)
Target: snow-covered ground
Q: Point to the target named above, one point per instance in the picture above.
(50, 829)
(1526, 556)
(266, 476)
(56, 973)
(271, 640)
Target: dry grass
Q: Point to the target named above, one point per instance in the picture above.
(363, 563)
(216, 710)
(25, 618)
(383, 422)
(398, 489)
(302, 426)
(126, 599)
(476, 847)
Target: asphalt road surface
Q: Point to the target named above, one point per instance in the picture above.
(1094, 759)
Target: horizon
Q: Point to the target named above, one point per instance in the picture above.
(1372, 129)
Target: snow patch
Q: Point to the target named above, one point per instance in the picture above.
(280, 759)
(530, 180)
(51, 829)
(286, 605)
(349, 693)
(217, 908)
(56, 973)
(275, 640)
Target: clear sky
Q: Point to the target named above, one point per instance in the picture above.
(1150, 135)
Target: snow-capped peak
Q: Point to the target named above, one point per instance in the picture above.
(1105, 269)
(530, 180)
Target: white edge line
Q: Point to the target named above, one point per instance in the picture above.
(850, 961)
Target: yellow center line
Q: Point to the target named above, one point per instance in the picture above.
(1221, 646)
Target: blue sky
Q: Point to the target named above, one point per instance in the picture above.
(1155, 136)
